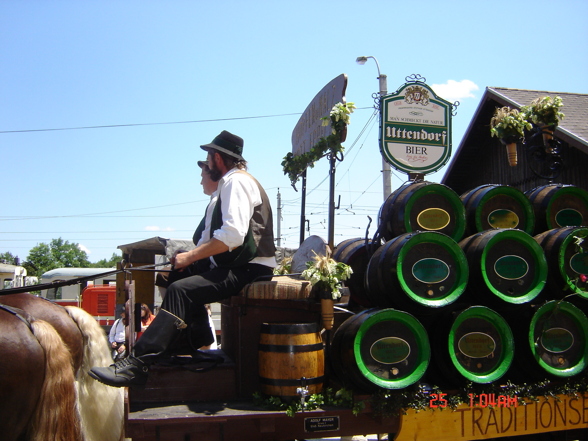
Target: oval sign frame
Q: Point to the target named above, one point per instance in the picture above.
(385, 340)
(459, 344)
(576, 268)
(446, 268)
(503, 214)
(518, 259)
(420, 218)
(558, 351)
(569, 213)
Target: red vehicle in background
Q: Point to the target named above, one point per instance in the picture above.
(100, 302)
(97, 298)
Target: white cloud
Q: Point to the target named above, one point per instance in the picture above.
(83, 248)
(156, 228)
(455, 90)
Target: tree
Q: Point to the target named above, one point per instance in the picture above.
(8, 258)
(57, 254)
(110, 263)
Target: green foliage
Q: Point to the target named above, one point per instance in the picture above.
(388, 403)
(107, 263)
(285, 267)
(8, 258)
(294, 166)
(58, 253)
(327, 274)
(507, 122)
(394, 403)
(544, 111)
(339, 398)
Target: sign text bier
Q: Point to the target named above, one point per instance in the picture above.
(416, 129)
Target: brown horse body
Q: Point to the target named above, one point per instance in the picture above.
(42, 351)
(56, 315)
(22, 359)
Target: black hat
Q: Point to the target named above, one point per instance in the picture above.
(227, 143)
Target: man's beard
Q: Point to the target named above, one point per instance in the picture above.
(215, 173)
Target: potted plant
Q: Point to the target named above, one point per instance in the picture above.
(545, 113)
(509, 126)
(325, 275)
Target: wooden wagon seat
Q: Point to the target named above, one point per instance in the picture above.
(292, 286)
(288, 287)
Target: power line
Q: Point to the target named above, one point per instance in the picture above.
(101, 214)
(146, 124)
(110, 126)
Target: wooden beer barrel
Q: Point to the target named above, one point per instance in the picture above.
(417, 272)
(506, 267)
(291, 355)
(566, 251)
(558, 339)
(380, 349)
(497, 206)
(478, 346)
(423, 206)
(356, 253)
(558, 205)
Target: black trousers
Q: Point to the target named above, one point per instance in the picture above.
(186, 297)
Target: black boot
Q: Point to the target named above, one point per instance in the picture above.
(133, 370)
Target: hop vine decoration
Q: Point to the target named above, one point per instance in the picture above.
(507, 122)
(418, 398)
(545, 111)
(284, 268)
(327, 274)
(329, 397)
(338, 118)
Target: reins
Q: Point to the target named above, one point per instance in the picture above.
(60, 283)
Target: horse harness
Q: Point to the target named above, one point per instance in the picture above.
(26, 318)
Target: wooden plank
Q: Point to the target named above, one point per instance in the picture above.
(246, 422)
(474, 423)
(180, 383)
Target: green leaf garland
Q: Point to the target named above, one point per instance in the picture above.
(294, 166)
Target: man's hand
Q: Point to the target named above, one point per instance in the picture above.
(204, 251)
(181, 261)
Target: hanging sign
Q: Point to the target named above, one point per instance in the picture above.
(416, 129)
(309, 129)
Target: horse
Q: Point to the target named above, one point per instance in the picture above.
(46, 392)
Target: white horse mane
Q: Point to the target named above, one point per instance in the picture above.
(100, 407)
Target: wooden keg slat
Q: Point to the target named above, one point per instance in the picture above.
(291, 355)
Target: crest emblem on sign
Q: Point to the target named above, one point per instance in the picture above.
(417, 95)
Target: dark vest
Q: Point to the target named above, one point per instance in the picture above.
(259, 241)
(199, 230)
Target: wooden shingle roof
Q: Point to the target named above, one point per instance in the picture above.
(480, 159)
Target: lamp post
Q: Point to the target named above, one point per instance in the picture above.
(383, 81)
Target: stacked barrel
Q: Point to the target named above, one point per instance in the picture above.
(456, 288)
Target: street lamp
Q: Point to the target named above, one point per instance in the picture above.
(383, 80)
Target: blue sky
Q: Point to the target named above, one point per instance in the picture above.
(171, 75)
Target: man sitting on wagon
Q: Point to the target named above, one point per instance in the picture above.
(241, 248)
